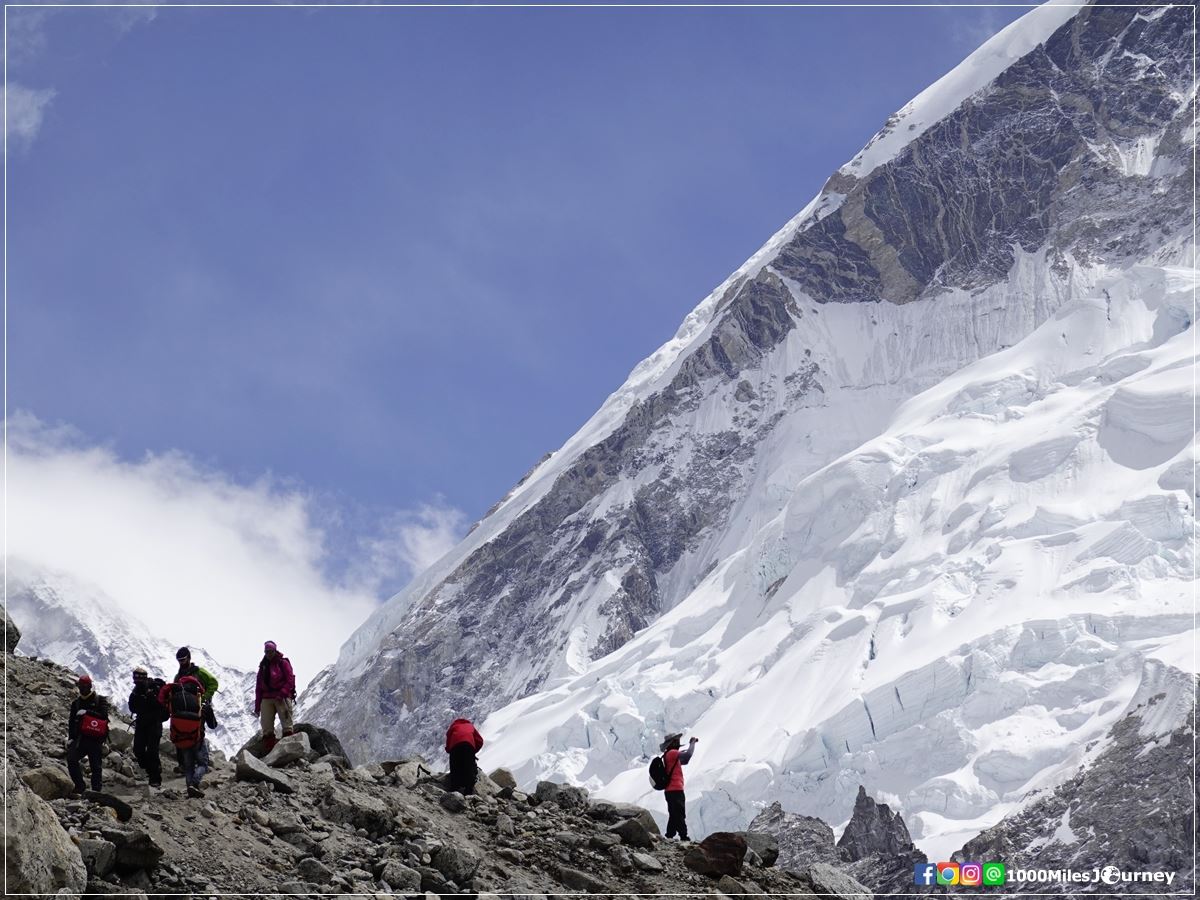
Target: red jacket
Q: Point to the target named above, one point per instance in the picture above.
(462, 731)
(674, 760)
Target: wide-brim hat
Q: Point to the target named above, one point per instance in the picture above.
(672, 738)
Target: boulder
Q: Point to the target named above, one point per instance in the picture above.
(504, 778)
(581, 881)
(348, 805)
(453, 801)
(313, 870)
(120, 735)
(763, 844)
(401, 878)
(322, 741)
(290, 749)
(802, 840)
(39, 857)
(457, 864)
(48, 782)
(609, 811)
(647, 863)
(100, 857)
(632, 832)
(251, 768)
(135, 848)
(731, 886)
(546, 791)
(406, 772)
(721, 853)
(12, 634)
(829, 881)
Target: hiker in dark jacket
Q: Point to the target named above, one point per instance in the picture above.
(184, 700)
(149, 715)
(463, 741)
(674, 760)
(274, 694)
(87, 728)
(205, 677)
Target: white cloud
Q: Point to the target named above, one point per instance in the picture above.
(24, 110)
(197, 557)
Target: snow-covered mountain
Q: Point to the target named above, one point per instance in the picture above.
(79, 626)
(907, 501)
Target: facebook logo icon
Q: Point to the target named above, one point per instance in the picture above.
(925, 874)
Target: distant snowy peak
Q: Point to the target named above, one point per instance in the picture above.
(80, 627)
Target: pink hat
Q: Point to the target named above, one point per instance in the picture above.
(270, 645)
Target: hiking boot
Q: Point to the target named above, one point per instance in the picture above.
(156, 784)
(194, 791)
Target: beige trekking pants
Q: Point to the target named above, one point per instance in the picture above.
(268, 711)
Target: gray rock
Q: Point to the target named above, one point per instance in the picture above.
(504, 778)
(400, 877)
(833, 882)
(603, 841)
(120, 735)
(288, 750)
(457, 864)
(299, 888)
(12, 634)
(731, 886)
(407, 772)
(100, 857)
(581, 881)
(453, 801)
(632, 832)
(621, 857)
(572, 797)
(765, 845)
(647, 863)
(609, 811)
(48, 782)
(721, 853)
(504, 825)
(546, 791)
(251, 768)
(313, 870)
(135, 848)
(323, 742)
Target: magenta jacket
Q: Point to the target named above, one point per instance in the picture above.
(275, 681)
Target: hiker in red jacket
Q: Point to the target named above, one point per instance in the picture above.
(462, 743)
(184, 700)
(674, 760)
(274, 694)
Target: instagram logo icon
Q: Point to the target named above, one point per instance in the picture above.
(972, 874)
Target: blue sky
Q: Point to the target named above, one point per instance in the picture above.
(390, 257)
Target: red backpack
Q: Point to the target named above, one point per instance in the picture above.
(186, 705)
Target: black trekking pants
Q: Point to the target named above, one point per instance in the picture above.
(145, 749)
(79, 748)
(463, 768)
(676, 815)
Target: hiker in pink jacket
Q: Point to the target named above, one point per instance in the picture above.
(274, 694)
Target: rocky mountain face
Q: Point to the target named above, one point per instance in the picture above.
(87, 631)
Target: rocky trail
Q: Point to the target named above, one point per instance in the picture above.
(303, 821)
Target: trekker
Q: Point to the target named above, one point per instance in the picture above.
(184, 699)
(87, 729)
(674, 760)
(463, 741)
(187, 667)
(274, 694)
(149, 716)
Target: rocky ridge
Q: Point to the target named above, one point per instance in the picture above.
(302, 821)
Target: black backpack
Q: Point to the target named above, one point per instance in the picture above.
(659, 776)
(185, 701)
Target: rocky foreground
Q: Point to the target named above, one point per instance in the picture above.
(302, 820)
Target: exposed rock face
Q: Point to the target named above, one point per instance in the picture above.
(802, 840)
(873, 829)
(1132, 808)
(39, 858)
